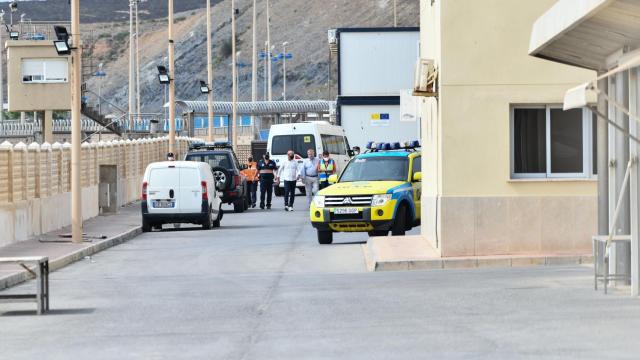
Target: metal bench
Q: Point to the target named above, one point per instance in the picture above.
(601, 261)
(41, 297)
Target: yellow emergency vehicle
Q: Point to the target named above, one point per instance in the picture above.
(378, 191)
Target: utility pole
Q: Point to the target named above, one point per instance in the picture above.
(76, 129)
(137, 61)
(132, 59)
(1, 69)
(267, 58)
(395, 14)
(209, 74)
(284, 70)
(254, 62)
(234, 64)
(269, 50)
(172, 84)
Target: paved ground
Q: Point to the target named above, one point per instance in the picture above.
(261, 288)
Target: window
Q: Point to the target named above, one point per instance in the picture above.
(334, 144)
(549, 142)
(417, 165)
(298, 143)
(223, 121)
(45, 70)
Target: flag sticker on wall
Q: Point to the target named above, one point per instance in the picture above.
(380, 119)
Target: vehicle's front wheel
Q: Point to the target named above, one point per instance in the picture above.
(325, 237)
(400, 225)
(216, 222)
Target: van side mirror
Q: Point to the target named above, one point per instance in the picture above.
(417, 176)
(333, 179)
(351, 153)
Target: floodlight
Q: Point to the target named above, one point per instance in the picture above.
(13, 6)
(163, 75)
(62, 48)
(204, 88)
(61, 33)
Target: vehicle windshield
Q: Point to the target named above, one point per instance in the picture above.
(382, 168)
(214, 160)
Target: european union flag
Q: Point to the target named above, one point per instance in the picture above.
(384, 116)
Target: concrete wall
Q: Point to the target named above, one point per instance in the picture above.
(35, 181)
(471, 206)
(33, 96)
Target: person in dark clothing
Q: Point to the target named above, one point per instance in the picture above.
(266, 170)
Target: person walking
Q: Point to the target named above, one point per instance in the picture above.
(309, 175)
(289, 174)
(266, 173)
(251, 173)
(326, 168)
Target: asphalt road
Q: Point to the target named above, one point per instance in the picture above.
(261, 287)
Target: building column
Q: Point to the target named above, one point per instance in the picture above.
(634, 150)
(47, 126)
(603, 163)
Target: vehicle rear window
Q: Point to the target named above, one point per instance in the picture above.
(298, 143)
(166, 177)
(189, 177)
(214, 160)
(334, 144)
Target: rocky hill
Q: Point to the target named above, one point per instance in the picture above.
(303, 24)
(101, 11)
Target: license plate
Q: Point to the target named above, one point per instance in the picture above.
(163, 204)
(343, 211)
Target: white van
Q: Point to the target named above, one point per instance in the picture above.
(300, 137)
(180, 192)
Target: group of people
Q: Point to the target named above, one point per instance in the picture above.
(313, 172)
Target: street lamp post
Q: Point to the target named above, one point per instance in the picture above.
(254, 61)
(266, 57)
(172, 87)
(284, 70)
(234, 95)
(76, 129)
(395, 14)
(209, 74)
(269, 48)
(132, 59)
(138, 111)
(100, 74)
(2, 24)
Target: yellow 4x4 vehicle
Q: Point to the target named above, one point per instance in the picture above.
(378, 191)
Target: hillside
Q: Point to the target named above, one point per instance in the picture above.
(303, 24)
(98, 10)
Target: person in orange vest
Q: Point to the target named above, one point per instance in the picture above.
(251, 173)
(326, 168)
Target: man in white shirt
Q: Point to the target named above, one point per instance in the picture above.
(309, 174)
(289, 174)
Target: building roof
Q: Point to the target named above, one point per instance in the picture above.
(585, 33)
(260, 107)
